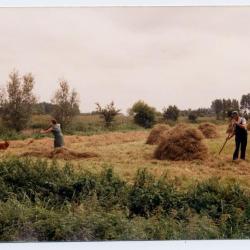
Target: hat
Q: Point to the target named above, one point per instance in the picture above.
(235, 113)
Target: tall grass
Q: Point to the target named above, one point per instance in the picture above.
(44, 201)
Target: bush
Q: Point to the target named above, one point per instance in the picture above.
(111, 191)
(41, 201)
(143, 114)
(192, 116)
(108, 113)
(147, 195)
(171, 113)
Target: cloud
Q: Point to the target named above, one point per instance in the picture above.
(165, 55)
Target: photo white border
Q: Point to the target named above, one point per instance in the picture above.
(137, 245)
(122, 245)
(79, 3)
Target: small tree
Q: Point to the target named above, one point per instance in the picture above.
(143, 114)
(217, 107)
(18, 101)
(171, 113)
(66, 104)
(245, 103)
(108, 113)
(192, 116)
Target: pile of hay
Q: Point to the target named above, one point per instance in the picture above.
(182, 144)
(156, 133)
(60, 153)
(209, 130)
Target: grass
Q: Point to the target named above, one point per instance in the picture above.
(124, 193)
(127, 152)
(42, 201)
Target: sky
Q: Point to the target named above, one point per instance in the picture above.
(184, 56)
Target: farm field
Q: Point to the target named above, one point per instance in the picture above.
(126, 152)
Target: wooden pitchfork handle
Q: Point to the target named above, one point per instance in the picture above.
(224, 145)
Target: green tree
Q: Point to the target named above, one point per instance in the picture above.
(17, 102)
(203, 112)
(66, 104)
(235, 105)
(108, 113)
(144, 115)
(192, 116)
(217, 107)
(245, 102)
(171, 113)
(43, 108)
(222, 106)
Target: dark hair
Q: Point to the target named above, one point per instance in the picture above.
(235, 113)
(54, 121)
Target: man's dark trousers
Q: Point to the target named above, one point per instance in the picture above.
(241, 145)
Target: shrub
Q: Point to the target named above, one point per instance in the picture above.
(108, 113)
(192, 116)
(171, 113)
(143, 114)
(111, 190)
(41, 201)
(147, 195)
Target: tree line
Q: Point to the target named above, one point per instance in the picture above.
(18, 103)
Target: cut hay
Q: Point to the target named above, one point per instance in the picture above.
(156, 133)
(182, 144)
(209, 130)
(21, 143)
(182, 125)
(60, 153)
(66, 154)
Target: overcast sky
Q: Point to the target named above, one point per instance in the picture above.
(185, 56)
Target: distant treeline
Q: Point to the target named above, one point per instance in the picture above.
(18, 103)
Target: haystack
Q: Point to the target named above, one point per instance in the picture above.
(182, 144)
(182, 125)
(156, 133)
(209, 130)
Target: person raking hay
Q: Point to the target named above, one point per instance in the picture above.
(240, 132)
(55, 129)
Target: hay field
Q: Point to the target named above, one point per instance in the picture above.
(126, 152)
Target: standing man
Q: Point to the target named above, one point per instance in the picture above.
(240, 133)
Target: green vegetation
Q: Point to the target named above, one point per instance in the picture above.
(108, 113)
(66, 104)
(171, 113)
(192, 116)
(17, 102)
(47, 202)
(144, 115)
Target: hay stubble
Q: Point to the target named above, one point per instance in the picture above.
(127, 152)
